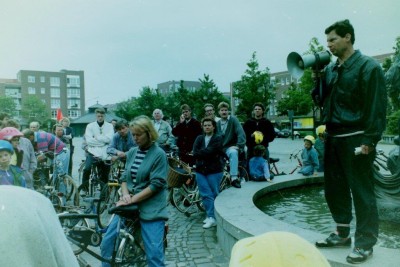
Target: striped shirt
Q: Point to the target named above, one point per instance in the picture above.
(136, 164)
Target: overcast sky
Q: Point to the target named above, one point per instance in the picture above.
(124, 45)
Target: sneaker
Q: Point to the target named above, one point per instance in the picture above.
(236, 183)
(205, 220)
(334, 240)
(210, 223)
(359, 255)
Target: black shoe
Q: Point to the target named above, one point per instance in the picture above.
(359, 255)
(334, 240)
(236, 183)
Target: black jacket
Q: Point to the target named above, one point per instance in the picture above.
(355, 98)
(263, 125)
(208, 159)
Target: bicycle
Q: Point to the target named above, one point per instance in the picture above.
(110, 193)
(94, 186)
(51, 187)
(128, 248)
(273, 168)
(295, 155)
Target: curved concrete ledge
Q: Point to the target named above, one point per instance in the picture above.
(238, 217)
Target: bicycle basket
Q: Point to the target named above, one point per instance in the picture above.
(178, 173)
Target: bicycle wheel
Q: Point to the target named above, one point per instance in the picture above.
(130, 253)
(243, 174)
(109, 197)
(69, 225)
(186, 199)
(225, 182)
(56, 201)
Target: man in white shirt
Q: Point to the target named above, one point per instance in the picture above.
(98, 136)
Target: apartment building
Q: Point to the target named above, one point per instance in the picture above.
(173, 86)
(63, 90)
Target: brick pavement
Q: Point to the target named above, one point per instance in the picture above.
(191, 245)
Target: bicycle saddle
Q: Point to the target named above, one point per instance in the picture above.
(273, 160)
(124, 211)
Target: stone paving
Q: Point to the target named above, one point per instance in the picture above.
(191, 245)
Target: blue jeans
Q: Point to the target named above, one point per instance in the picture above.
(108, 242)
(233, 155)
(61, 164)
(153, 235)
(209, 189)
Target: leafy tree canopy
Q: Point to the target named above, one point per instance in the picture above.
(33, 109)
(253, 87)
(7, 105)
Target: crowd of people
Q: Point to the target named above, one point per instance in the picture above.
(353, 97)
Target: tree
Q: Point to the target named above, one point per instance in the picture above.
(253, 87)
(302, 102)
(7, 105)
(33, 109)
(208, 93)
(392, 76)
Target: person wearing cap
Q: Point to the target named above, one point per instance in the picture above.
(258, 123)
(9, 174)
(24, 156)
(309, 157)
(320, 146)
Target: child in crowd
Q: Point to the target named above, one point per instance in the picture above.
(9, 174)
(258, 166)
(320, 146)
(309, 157)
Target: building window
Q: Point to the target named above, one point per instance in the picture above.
(74, 103)
(54, 114)
(12, 92)
(73, 93)
(42, 90)
(54, 92)
(54, 81)
(31, 79)
(31, 90)
(73, 81)
(55, 103)
(74, 114)
(42, 79)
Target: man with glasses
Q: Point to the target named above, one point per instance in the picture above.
(210, 112)
(98, 136)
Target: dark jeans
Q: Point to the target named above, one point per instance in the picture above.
(104, 169)
(350, 178)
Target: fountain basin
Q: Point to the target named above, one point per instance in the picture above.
(238, 217)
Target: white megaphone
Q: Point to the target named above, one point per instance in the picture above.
(296, 64)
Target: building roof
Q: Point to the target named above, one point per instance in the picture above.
(91, 115)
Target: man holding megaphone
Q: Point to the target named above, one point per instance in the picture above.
(352, 94)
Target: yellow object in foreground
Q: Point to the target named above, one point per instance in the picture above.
(276, 249)
(258, 137)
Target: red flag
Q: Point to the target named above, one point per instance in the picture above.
(59, 114)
